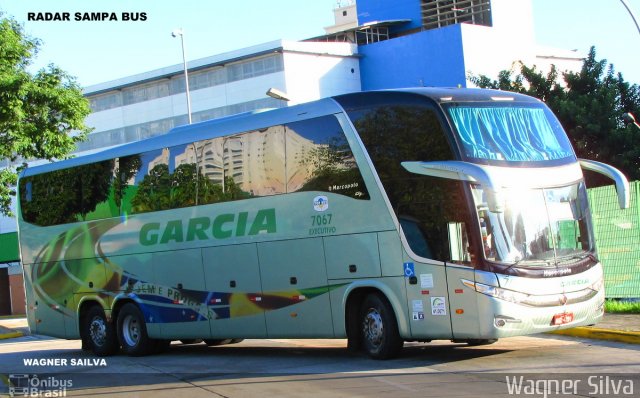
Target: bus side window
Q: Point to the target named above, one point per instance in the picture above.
(254, 163)
(183, 176)
(241, 166)
(27, 209)
(146, 182)
(64, 196)
(124, 174)
(459, 246)
(98, 200)
(210, 170)
(319, 159)
(424, 205)
(52, 198)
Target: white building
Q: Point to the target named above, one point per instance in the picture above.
(151, 103)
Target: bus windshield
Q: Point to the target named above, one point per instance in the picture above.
(538, 228)
(498, 133)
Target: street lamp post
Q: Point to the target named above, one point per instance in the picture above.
(277, 94)
(628, 118)
(176, 33)
(635, 21)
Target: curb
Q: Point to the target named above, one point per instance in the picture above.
(601, 334)
(10, 335)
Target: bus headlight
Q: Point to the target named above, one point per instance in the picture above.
(497, 292)
(545, 300)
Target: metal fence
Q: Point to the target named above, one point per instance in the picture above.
(617, 234)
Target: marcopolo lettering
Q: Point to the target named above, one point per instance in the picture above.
(222, 226)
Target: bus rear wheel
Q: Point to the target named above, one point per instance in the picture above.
(132, 331)
(100, 336)
(380, 336)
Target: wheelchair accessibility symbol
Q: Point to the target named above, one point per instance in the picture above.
(409, 270)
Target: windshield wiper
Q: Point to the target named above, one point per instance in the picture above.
(546, 262)
(581, 256)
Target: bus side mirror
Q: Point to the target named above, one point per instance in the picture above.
(462, 171)
(622, 184)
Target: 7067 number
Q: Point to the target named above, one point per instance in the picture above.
(319, 220)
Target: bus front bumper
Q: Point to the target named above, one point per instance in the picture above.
(506, 319)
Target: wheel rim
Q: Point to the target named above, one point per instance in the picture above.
(373, 327)
(98, 331)
(131, 330)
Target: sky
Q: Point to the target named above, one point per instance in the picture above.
(100, 51)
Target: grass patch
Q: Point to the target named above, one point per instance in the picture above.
(622, 307)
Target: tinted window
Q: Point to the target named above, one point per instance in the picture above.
(124, 186)
(311, 155)
(241, 166)
(319, 159)
(183, 176)
(254, 162)
(424, 205)
(151, 184)
(63, 196)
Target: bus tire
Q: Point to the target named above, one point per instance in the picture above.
(100, 336)
(161, 346)
(379, 328)
(132, 332)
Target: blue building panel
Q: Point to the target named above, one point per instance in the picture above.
(385, 10)
(429, 58)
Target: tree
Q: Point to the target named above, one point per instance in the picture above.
(42, 114)
(590, 107)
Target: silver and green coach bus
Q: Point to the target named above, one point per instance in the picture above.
(380, 217)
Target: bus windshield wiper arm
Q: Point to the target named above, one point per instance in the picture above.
(580, 256)
(546, 262)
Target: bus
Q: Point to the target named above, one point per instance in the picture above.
(380, 217)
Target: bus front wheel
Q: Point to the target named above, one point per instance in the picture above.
(380, 336)
(99, 332)
(132, 331)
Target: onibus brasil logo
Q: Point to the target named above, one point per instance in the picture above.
(32, 385)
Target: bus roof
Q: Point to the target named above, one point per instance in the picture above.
(255, 120)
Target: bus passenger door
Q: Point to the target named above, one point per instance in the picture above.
(427, 300)
(232, 277)
(294, 284)
(463, 303)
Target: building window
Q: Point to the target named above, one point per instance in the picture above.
(439, 13)
(105, 101)
(200, 79)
